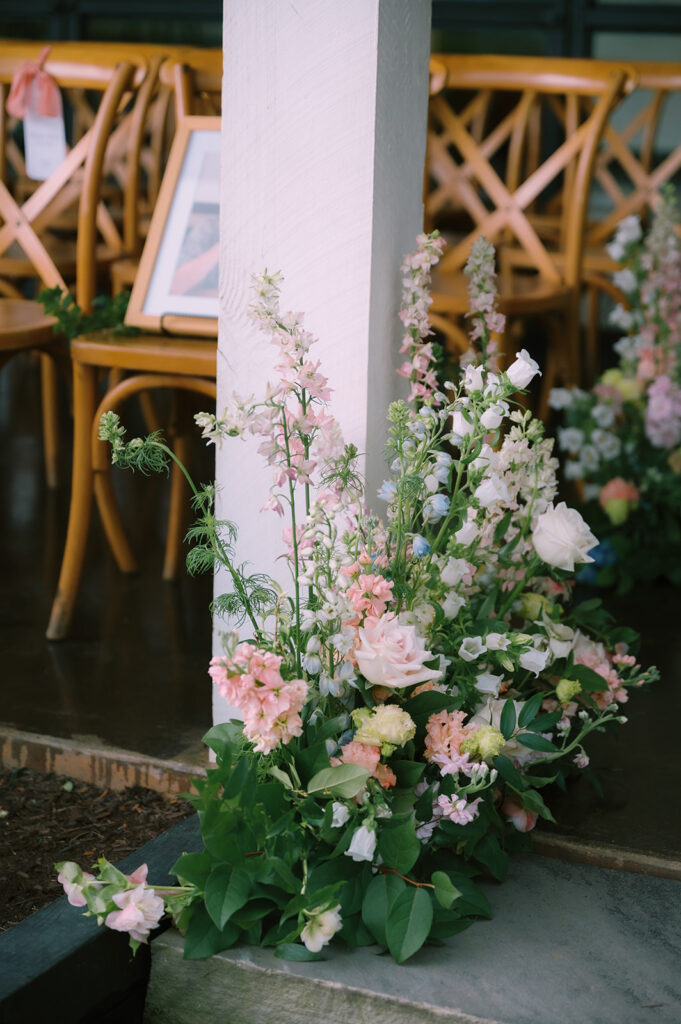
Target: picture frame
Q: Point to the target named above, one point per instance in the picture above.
(176, 286)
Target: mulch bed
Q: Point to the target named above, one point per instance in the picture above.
(48, 818)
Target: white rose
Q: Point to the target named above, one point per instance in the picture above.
(521, 372)
(340, 814)
(321, 928)
(562, 538)
(392, 654)
(363, 844)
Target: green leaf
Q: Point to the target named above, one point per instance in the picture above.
(507, 720)
(280, 776)
(221, 738)
(408, 773)
(534, 742)
(472, 900)
(344, 780)
(589, 679)
(489, 852)
(408, 924)
(381, 893)
(502, 527)
(446, 893)
(227, 890)
(203, 938)
(530, 710)
(399, 845)
(296, 952)
(193, 868)
(542, 723)
(509, 772)
(532, 801)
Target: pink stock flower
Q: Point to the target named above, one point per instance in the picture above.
(140, 911)
(251, 681)
(370, 594)
(445, 732)
(522, 820)
(663, 413)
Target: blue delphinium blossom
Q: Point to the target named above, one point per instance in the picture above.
(435, 507)
(420, 546)
(387, 490)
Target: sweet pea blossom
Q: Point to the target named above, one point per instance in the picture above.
(522, 820)
(73, 890)
(140, 911)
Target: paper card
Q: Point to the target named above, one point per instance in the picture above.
(44, 144)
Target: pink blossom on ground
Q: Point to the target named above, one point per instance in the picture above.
(73, 891)
(522, 820)
(140, 911)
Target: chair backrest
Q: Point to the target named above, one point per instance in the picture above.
(512, 140)
(631, 168)
(196, 80)
(78, 179)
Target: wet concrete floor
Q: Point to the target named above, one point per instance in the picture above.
(133, 672)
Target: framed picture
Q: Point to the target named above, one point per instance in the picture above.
(176, 288)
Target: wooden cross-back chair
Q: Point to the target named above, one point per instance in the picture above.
(503, 179)
(24, 324)
(137, 364)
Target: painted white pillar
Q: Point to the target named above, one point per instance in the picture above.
(323, 146)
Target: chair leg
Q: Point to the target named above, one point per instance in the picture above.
(48, 389)
(592, 353)
(84, 383)
(107, 507)
(176, 511)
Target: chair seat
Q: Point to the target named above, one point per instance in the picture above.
(147, 353)
(518, 294)
(24, 325)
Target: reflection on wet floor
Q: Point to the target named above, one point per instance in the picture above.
(133, 672)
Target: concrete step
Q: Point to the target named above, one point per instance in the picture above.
(569, 944)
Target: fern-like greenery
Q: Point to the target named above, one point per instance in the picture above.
(212, 540)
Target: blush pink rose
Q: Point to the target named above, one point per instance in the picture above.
(522, 820)
(618, 489)
(392, 655)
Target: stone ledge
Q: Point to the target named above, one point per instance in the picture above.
(103, 766)
(58, 965)
(569, 944)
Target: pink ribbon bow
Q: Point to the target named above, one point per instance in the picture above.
(48, 97)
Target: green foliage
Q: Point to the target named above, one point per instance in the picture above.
(108, 313)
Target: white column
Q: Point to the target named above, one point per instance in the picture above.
(324, 128)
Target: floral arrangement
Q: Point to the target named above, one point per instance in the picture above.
(622, 439)
(405, 703)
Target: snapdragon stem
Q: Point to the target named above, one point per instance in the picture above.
(294, 541)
